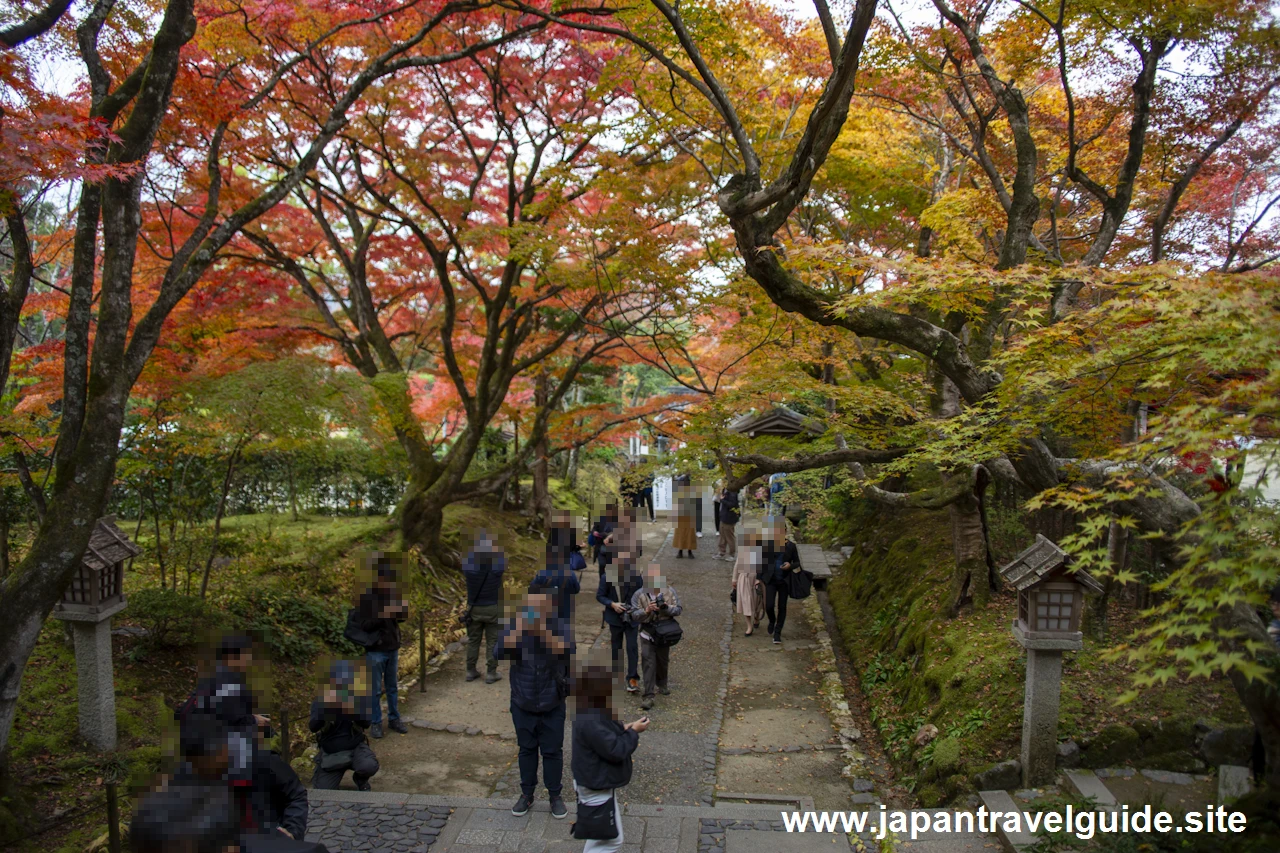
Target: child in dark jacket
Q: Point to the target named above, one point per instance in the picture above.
(602, 750)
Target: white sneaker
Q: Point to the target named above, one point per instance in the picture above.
(699, 534)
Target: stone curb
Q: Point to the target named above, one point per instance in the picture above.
(832, 692)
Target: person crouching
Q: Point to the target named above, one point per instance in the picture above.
(339, 722)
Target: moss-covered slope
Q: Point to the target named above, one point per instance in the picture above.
(965, 675)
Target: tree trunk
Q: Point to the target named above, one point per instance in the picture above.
(4, 538)
(541, 464)
(217, 516)
(970, 545)
(293, 490)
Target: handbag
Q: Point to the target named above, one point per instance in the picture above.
(800, 584)
(596, 823)
(733, 595)
(334, 761)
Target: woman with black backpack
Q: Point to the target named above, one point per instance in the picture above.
(602, 750)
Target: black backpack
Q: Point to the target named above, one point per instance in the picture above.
(355, 633)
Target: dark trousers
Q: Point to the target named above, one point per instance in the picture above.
(540, 733)
(486, 621)
(616, 635)
(697, 515)
(781, 592)
(363, 765)
(644, 500)
(657, 660)
(715, 514)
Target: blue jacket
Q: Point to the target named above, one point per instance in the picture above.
(535, 669)
(607, 594)
(483, 590)
(563, 583)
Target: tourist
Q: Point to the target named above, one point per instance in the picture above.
(654, 603)
(747, 593)
(616, 588)
(538, 646)
(226, 695)
(685, 536)
(274, 801)
(339, 718)
(381, 611)
(728, 510)
(780, 559)
(600, 531)
(602, 749)
(201, 816)
(483, 569)
(558, 579)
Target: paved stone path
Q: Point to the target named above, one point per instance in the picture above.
(749, 729)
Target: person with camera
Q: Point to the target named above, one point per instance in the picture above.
(654, 608)
(382, 609)
(538, 645)
(602, 749)
(339, 722)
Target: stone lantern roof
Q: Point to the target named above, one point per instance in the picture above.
(108, 546)
(1042, 561)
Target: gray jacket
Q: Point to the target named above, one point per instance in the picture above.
(640, 603)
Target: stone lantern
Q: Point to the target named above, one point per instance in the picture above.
(1050, 603)
(95, 594)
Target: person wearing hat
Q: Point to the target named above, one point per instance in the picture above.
(381, 611)
(338, 721)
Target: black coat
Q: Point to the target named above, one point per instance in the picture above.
(771, 571)
(335, 730)
(225, 695)
(602, 750)
(729, 508)
(385, 629)
(277, 797)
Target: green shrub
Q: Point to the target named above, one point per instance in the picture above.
(171, 619)
(293, 627)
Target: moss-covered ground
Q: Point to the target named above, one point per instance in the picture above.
(965, 675)
(290, 581)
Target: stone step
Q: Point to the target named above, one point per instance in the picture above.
(1087, 784)
(1000, 801)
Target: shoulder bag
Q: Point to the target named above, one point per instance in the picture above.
(597, 823)
(357, 634)
(665, 632)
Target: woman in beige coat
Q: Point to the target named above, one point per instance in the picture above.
(750, 602)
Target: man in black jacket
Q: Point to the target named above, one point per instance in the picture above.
(226, 695)
(200, 816)
(339, 723)
(539, 647)
(616, 598)
(274, 802)
(382, 609)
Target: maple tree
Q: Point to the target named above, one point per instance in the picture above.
(219, 64)
(997, 86)
(481, 234)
